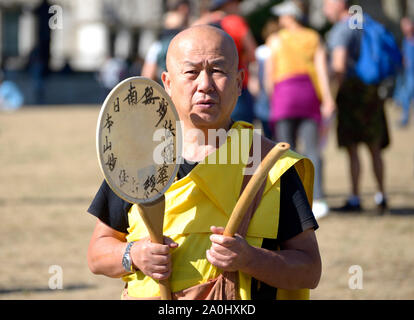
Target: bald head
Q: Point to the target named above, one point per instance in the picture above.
(202, 39)
(202, 77)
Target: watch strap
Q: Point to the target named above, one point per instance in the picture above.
(127, 260)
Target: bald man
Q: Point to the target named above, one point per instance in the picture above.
(204, 83)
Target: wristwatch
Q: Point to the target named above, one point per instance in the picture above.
(126, 259)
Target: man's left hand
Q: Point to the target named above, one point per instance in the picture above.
(228, 253)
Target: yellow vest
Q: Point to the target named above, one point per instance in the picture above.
(206, 197)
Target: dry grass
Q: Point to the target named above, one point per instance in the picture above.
(49, 174)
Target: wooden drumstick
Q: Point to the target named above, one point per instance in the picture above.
(253, 187)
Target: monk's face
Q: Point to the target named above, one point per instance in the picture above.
(203, 79)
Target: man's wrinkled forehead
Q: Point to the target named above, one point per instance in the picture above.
(195, 43)
(195, 46)
(195, 60)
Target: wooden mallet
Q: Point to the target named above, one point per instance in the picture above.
(253, 187)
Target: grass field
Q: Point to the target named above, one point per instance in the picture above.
(49, 174)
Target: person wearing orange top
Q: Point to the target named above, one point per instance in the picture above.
(298, 86)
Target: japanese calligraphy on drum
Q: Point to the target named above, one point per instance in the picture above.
(138, 140)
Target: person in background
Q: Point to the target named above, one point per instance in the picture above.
(405, 91)
(257, 79)
(225, 14)
(113, 70)
(175, 19)
(297, 82)
(360, 116)
(11, 98)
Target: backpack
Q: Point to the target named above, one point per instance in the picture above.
(380, 56)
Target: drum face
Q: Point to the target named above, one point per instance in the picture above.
(138, 140)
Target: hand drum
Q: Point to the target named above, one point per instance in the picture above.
(138, 141)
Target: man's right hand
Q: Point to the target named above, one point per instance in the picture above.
(153, 259)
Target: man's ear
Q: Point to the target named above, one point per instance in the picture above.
(240, 78)
(165, 77)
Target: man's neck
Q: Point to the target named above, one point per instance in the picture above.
(198, 143)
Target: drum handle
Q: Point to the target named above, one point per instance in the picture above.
(153, 217)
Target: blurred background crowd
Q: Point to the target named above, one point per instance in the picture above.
(298, 55)
(91, 32)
